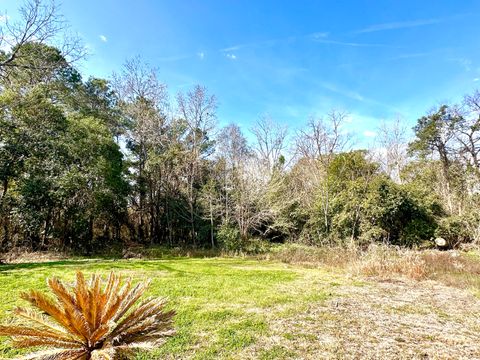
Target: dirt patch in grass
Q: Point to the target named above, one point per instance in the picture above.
(382, 320)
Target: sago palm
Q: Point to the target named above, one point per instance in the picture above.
(90, 321)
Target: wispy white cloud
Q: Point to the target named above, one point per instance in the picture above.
(338, 90)
(174, 58)
(231, 56)
(399, 25)
(237, 47)
(254, 44)
(347, 43)
(369, 133)
(411, 55)
(354, 95)
(273, 42)
(319, 35)
(476, 79)
(465, 63)
(404, 56)
(103, 38)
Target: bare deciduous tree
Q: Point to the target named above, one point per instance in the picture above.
(244, 184)
(392, 154)
(270, 142)
(323, 138)
(315, 147)
(232, 145)
(251, 208)
(198, 111)
(143, 101)
(233, 151)
(468, 131)
(40, 23)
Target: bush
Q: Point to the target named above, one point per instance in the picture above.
(228, 238)
(418, 232)
(380, 211)
(455, 230)
(256, 246)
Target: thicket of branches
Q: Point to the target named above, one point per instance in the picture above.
(86, 164)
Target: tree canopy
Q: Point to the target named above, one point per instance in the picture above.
(87, 164)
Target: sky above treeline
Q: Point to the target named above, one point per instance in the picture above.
(292, 59)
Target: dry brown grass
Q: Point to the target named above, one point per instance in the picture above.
(23, 255)
(380, 320)
(384, 263)
(410, 305)
(313, 256)
(452, 268)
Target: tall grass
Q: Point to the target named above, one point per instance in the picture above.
(453, 268)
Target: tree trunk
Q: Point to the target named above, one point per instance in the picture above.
(46, 229)
(192, 223)
(4, 191)
(89, 245)
(211, 224)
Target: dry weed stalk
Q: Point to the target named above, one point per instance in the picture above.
(384, 262)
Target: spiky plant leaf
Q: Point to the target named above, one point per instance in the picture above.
(90, 320)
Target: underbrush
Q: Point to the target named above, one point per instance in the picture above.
(252, 247)
(453, 268)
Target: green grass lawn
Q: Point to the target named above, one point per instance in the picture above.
(223, 304)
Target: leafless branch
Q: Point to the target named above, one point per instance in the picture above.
(40, 23)
(270, 142)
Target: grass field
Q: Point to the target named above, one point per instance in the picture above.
(234, 308)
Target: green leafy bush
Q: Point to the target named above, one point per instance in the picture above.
(229, 238)
(455, 230)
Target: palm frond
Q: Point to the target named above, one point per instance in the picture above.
(42, 321)
(12, 330)
(57, 354)
(91, 320)
(30, 341)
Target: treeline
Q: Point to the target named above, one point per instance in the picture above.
(87, 164)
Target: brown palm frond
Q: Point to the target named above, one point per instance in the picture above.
(13, 330)
(144, 312)
(42, 321)
(43, 303)
(90, 320)
(131, 298)
(57, 354)
(29, 341)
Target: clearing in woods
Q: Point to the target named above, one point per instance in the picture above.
(231, 308)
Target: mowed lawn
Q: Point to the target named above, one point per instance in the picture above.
(238, 308)
(225, 306)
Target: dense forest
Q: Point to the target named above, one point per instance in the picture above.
(88, 163)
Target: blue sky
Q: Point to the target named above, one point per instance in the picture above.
(292, 59)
